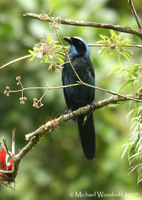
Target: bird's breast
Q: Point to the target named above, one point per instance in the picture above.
(80, 95)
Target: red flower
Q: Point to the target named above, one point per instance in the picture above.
(5, 165)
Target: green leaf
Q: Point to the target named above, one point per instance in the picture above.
(61, 55)
(126, 55)
(139, 175)
(101, 42)
(48, 37)
(31, 52)
(61, 61)
(125, 150)
(54, 42)
(104, 37)
(112, 33)
(132, 113)
(51, 65)
(134, 157)
(125, 84)
(134, 168)
(134, 73)
(114, 70)
(119, 36)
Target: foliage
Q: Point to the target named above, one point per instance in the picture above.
(132, 74)
(49, 51)
(134, 146)
(133, 78)
(115, 45)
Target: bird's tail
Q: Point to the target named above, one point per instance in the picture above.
(87, 135)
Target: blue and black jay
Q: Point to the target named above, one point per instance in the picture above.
(81, 95)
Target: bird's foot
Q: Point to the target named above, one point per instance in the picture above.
(69, 112)
(92, 106)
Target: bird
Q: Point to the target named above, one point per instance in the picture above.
(81, 95)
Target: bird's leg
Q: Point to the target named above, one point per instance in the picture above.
(70, 111)
(92, 107)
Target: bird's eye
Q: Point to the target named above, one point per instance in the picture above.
(80, 43)
(81, 48)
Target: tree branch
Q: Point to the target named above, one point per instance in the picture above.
(83, 110)
(34, 137)
(114, 45)
(14, 61)
(46, 17)
(135, 14)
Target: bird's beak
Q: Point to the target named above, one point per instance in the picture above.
(68, 39)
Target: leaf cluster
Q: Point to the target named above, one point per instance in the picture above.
(49, 51)
(134, 150)
(115, 45)
(134, 146)
(132, 74)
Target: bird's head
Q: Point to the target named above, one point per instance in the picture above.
(78, 47)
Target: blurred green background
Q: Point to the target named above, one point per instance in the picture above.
(56, 166)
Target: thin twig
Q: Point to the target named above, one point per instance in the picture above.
(14, 61)
(114, 45)
(45, 17)
(135, 14)
(13, 141)
(114, 93)
(74, 85)
(7, 172)
(43, 88)
(90, 45)
(5, 145)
